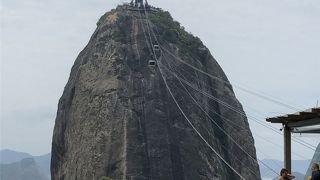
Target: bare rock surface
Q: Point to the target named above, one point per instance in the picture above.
(116, 117)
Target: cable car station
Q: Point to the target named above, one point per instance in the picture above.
(302, 122)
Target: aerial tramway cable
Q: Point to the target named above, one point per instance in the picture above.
(148, 26)
(236, 86)
(193, 127)
(231, 122)
(310, 146)
(241, 162)
(233, 155)
(297, 140)
(221, 129)
(305, 144)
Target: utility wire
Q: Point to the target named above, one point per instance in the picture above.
(237, 86)
(234, 155)
(241, 113)
(251, 117)
(221, 129)
(168, 88)
(251, 92)
(233, 123)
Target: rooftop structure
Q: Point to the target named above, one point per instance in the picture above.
(301, 122)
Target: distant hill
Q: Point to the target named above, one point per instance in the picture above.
(9, 156)
(44, 163)
(26, 169)
(15, 165)
(298, 166)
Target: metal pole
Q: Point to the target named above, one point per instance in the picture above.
(287, 148)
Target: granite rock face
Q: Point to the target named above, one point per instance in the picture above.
(116, 117)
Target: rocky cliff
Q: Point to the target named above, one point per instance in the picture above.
(117, 118)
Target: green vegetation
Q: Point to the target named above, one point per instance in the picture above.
(173, 32)
(102, 18)
(105, 178)
(119, 35)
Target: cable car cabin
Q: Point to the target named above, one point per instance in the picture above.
(156, 47)
(152, 63)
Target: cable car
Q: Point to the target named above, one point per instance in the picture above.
(152, 63)
(156, 47)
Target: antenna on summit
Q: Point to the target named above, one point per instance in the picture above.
(138, 3)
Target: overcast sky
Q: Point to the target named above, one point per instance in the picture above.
(267, 45)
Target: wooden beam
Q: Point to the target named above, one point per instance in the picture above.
(307, 129)
(300, 117)
(287, 148)
(275, 120)
(291, 118)
(310, 122)
(313, 131)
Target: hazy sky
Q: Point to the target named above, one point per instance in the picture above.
(268, 45)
